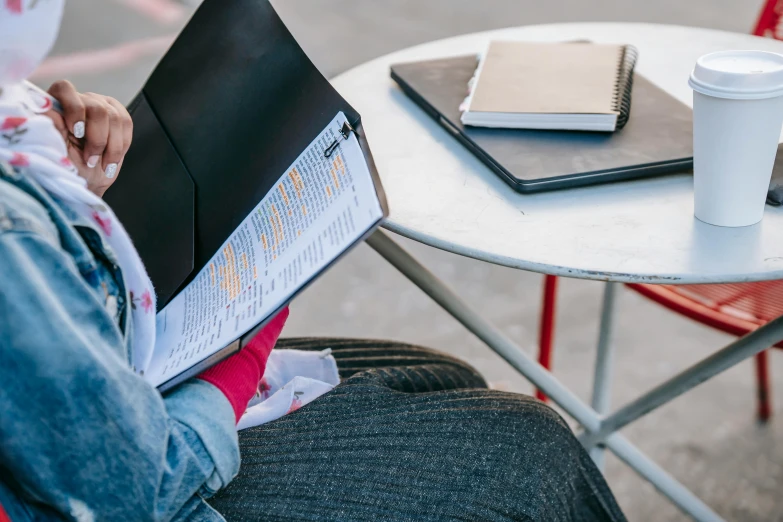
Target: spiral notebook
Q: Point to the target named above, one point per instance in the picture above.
(560, 86)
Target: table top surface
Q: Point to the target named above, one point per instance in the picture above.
(635, 231)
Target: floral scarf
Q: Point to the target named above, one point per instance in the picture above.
(30, 141)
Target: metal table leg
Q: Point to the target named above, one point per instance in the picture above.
(541, 378)
(741, 349)
(496, 340)
(602, 379)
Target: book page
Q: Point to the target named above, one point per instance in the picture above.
(316, 210)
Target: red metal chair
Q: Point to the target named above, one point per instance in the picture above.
(768, 24)
(736, 309)
(732, 308)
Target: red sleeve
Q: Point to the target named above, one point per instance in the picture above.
(238, 376)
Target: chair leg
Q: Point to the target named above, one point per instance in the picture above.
(763, 384)
(604, 361)
(546, 331)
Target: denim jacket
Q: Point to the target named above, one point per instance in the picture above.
(82, 437)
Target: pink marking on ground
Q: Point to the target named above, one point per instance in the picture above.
(102, 60)
(162, 11)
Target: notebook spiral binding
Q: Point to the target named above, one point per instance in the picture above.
(621, 100)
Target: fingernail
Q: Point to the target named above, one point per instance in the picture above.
(92, 161)
(111, 170)
(78, 129)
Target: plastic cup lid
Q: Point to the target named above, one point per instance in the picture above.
(740, 75)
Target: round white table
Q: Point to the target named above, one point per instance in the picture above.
(642, 231)
(636, 231)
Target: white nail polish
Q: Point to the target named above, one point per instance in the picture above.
(92, 161)
(78, 129)
(111, 170)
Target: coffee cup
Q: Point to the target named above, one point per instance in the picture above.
(737, 119)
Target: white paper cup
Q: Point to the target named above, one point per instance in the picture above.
(737, 118)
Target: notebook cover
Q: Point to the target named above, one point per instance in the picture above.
(548, 78)
(221, 117)
(657, 139)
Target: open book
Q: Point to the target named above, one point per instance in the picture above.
(321, 206)
(248, 176)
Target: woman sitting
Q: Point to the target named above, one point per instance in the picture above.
(409, 434)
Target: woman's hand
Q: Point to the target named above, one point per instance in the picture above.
(97, 130)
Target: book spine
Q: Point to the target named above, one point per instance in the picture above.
(621, 101)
